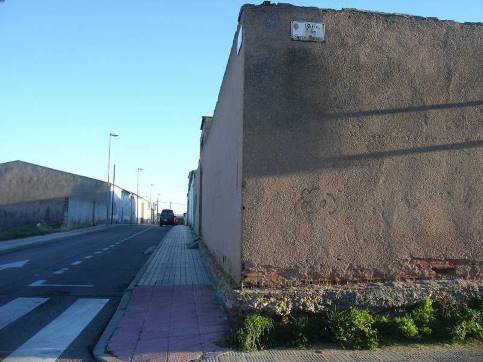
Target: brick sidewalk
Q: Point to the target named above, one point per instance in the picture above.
(172, 314)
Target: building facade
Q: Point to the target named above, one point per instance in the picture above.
(349, 159)
(31, 194)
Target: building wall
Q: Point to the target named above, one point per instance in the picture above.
(362, 155)
(31, 194)
(192, 200)
(196, 224)
(220, 170)
(86, 210)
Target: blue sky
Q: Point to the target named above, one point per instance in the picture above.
(73, 71)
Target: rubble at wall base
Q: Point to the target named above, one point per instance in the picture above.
(376, 296)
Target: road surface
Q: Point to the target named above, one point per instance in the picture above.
(56, 298)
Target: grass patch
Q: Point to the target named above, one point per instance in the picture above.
(26, 231)
(353, 328)
(429, 321)
(254, 332)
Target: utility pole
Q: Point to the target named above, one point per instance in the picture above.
(157, 208)
(137, 198)
(113, 186)
(108, 176)
(151, 203)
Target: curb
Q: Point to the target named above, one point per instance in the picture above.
(100, 349)
(54, 237)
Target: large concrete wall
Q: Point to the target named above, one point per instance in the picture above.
(220, 170)
(31, 194)
(192, 214)
(90, 209)
(196, 221)
(362, 155)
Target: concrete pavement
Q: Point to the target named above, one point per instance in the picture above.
(56, 298)
(172, 314)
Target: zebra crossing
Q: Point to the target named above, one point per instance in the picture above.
(48, 343)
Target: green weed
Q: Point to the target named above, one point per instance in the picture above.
(254, 332)
(353, 328)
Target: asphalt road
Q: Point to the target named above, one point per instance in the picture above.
(56, 299)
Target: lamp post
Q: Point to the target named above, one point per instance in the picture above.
(137, 198)
(111, 135)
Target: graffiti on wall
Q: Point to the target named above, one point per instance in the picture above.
(313, 201)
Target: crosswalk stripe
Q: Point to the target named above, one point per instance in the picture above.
(18, 308)
(51, 341)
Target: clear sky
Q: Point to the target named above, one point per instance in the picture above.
(73, 71)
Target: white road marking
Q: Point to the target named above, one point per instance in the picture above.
(60, 271)
(18, 308)
(111, 246)
(105, 249)
(51, 341)
(77, 262)
(16, 264)
(98, 252)
(136, 234)
(88, 257)
(42, 283)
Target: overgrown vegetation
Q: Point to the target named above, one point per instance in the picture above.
(254, 332)
(429, 321)
(353, 328)
(26, 231)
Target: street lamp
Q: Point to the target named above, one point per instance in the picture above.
(137, 196)
(111, 135)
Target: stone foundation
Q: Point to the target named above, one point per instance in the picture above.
(376, 296)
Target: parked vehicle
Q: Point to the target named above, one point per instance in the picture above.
(167, 218)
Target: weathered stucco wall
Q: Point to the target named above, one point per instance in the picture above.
(362, 155)
(31, 194)
(220, 170)
(196, 222)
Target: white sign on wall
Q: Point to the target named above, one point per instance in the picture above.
(239, 40)
(307, 31)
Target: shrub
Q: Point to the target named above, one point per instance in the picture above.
(302, 330)
(469, 325)
(447, 316)
(405, 327)
(356, 328)
(477, 304)
(383, 326)
(254, 332)
(423, 316)
(353, 328)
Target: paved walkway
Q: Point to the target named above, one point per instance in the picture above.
(172, 314)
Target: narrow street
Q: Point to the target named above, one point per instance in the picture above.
(56, 299)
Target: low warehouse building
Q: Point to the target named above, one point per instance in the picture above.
(346, 147)
(31, 194)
